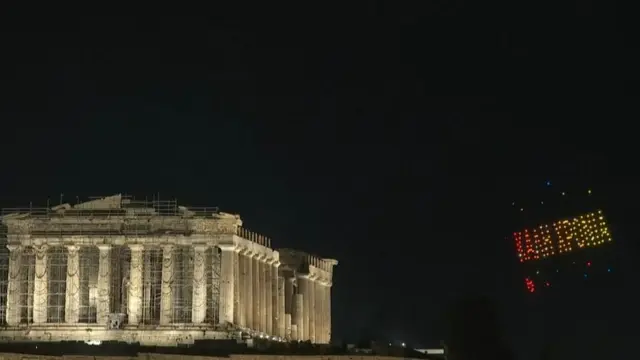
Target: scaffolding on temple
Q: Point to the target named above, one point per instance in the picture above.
(160, 272)
(165, 268)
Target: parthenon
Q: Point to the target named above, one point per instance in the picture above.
(154, 272)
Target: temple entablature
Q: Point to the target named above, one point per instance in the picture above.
(118, 220)
(253, 248)
(305, 264)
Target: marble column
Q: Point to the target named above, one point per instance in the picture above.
(166, 290)
(236, 287)
(299, 317)
(13, 286)
(242, 278)
(288, 327)
(41, 286)
(268, 297)
(147, 303)
(289, 294)
(226, 283)
(72, 293)
(248, 289)
(318, 302)
(199, 301)
(282, 316)
(320, 313)
(134, 303)
(293, 328)
(303, 290)
(256, 292)
(325, 317)
(289, 300)
(275, 313)
(104, 284)
(311, 290)
(290, 308)
(327, 311)
(263, 294)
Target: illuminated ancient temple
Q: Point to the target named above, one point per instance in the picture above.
(116, 269)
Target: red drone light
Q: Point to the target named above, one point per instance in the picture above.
(530, 285)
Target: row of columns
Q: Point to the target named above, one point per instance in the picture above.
(268, 302)
(259, 298)
(252, 293)
(199, 296)
(135, 286)
(310, 309)
(199, 285)
(41, 285)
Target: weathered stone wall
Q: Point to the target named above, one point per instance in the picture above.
(144, 356)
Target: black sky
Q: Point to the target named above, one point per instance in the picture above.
(392, 138)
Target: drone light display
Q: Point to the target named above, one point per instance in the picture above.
(558, 253)
(561, 237)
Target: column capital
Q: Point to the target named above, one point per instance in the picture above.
(136, 247)
(269, 260)
(168, 247)
(259, 256)
(13, 247)
(72, 248)
(41, 250)
(227, 247)
(200, 247)
(246, 251)
(276, 263)
(104, 247)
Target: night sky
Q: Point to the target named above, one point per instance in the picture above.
(393, 139)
